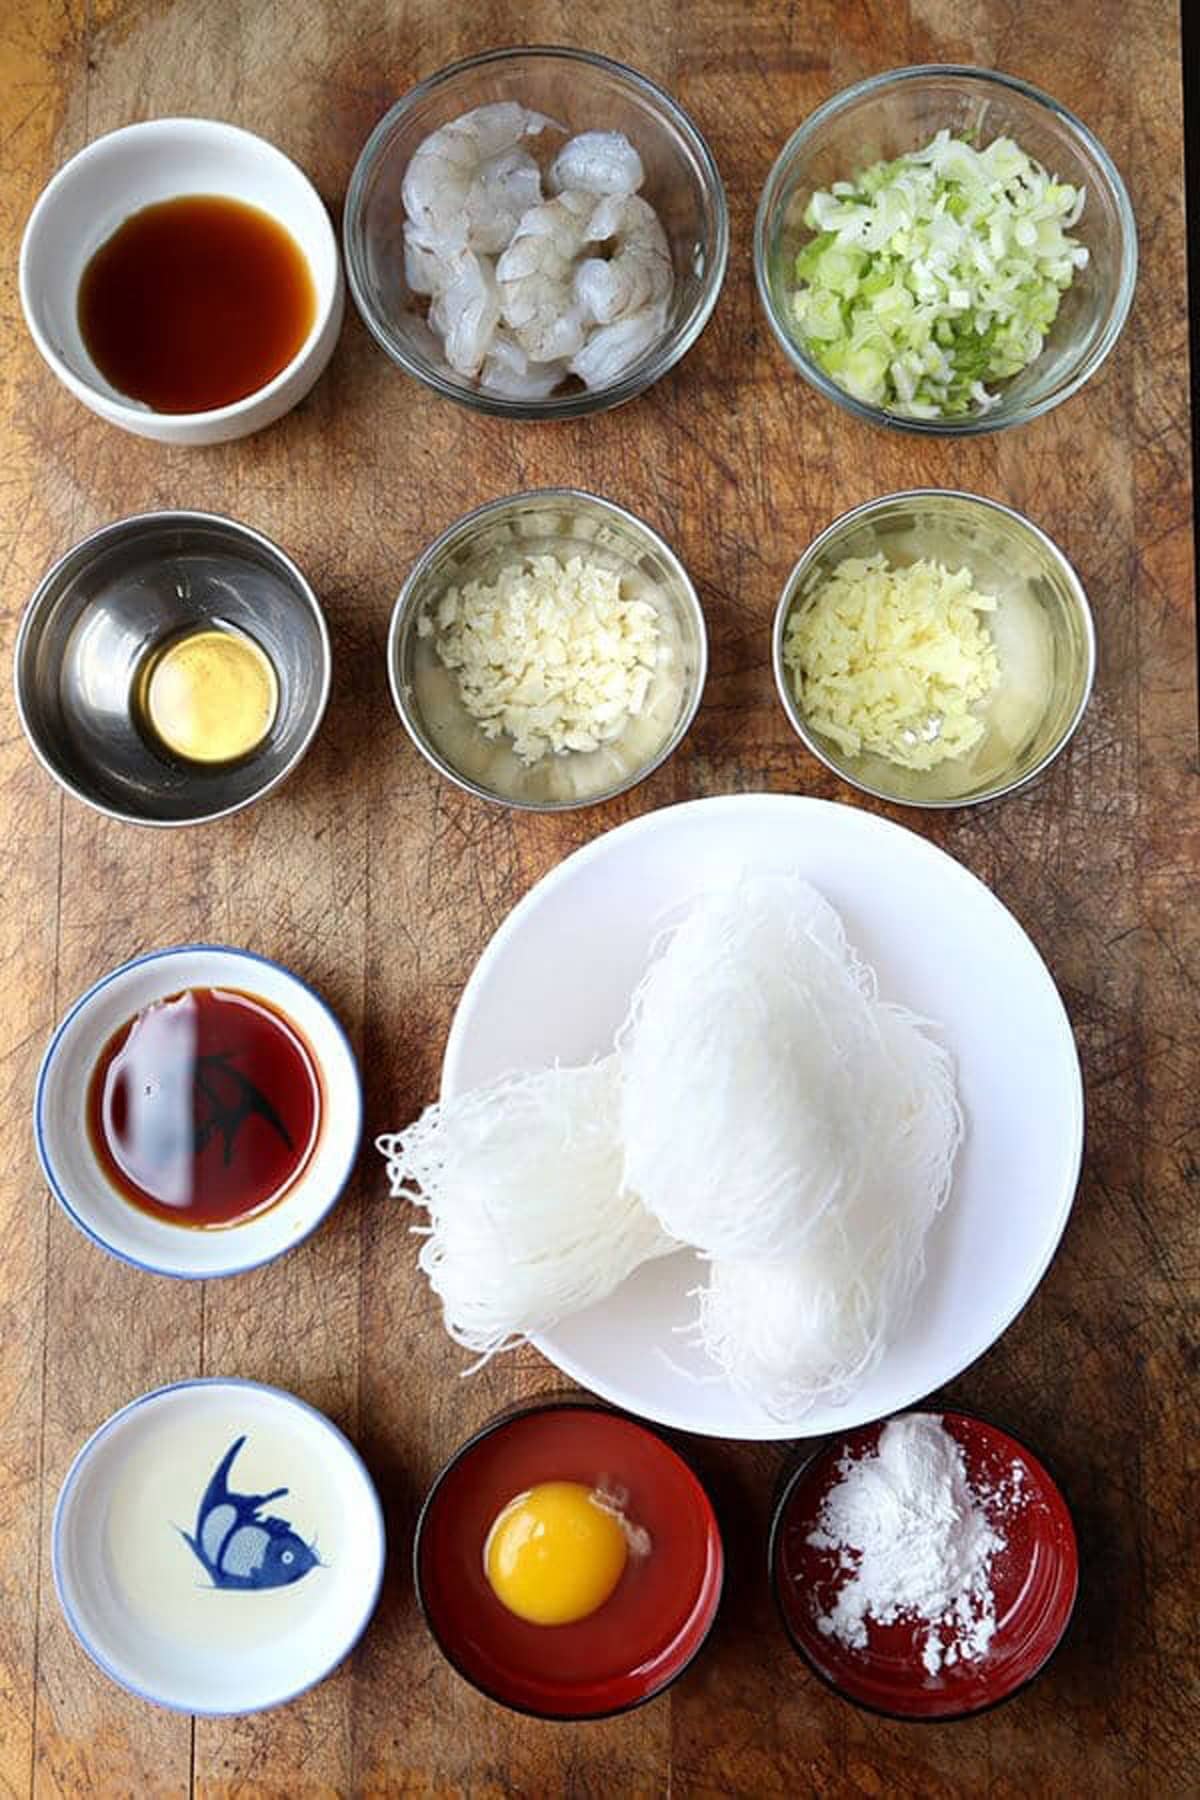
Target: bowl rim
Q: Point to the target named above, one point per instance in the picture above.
(126, 413)
(91, 543)
(405, 601)
(789, 1481)
(975, 424)
(652, 365)
(45, 1067)
(110, 1424)
(510, 1415)
(808, 559)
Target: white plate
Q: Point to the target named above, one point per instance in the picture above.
(292, 1578)
(555, 982)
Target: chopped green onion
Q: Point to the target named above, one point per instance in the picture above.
(935, 275)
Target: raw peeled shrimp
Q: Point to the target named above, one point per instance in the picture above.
(507, 370)
(455, 174)
(504, 189)
(501, 191)
(466, 312)
(424, 270)
(597, 162)
(611, 349)
(534, 276)
(637, 274)
(518, 298)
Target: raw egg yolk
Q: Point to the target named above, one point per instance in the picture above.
(554, 1554)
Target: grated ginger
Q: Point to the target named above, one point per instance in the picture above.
(550, 653)
(893, 660)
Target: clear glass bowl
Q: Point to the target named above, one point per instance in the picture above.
(476, 547)
(899, 111)
(583, 92)
(1042, 628)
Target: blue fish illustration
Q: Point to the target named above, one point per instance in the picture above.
(239, 1549)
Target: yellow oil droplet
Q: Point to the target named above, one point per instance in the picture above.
(211, 697)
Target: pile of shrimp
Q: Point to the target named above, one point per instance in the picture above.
(528, 287)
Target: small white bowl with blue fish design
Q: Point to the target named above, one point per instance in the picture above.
(218, 1547)
(78, 1159)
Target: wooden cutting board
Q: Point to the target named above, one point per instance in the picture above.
(381, 884)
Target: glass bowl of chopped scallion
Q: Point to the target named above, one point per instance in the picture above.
(945, 250)
(934, 649)
(547, 651)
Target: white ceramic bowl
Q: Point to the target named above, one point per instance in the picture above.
(74, 1172)
(139, 166)
(268, 1597)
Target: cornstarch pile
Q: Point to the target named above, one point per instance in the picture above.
(915, 1541)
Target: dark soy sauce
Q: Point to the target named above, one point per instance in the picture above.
(205, 1108)
(195, 303)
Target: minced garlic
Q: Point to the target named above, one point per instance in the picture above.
(550, 653)
(892, 661)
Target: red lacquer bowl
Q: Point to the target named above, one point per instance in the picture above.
(657, 1618)
(1034, 1579)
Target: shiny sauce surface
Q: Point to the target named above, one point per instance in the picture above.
(194, 303)
(205, 1108)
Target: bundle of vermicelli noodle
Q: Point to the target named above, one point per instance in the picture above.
(763, 1106)
(813, 1325)
(755, 1082)
(797, 1130)
(528, 1220)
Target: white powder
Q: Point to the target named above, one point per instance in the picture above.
(915, 1542)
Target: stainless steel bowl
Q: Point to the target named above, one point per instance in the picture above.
(1042, 627)
(107, 605)
(477, 547)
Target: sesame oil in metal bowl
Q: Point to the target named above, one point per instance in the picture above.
(107, 636)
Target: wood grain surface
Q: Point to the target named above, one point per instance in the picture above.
(381, 884)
